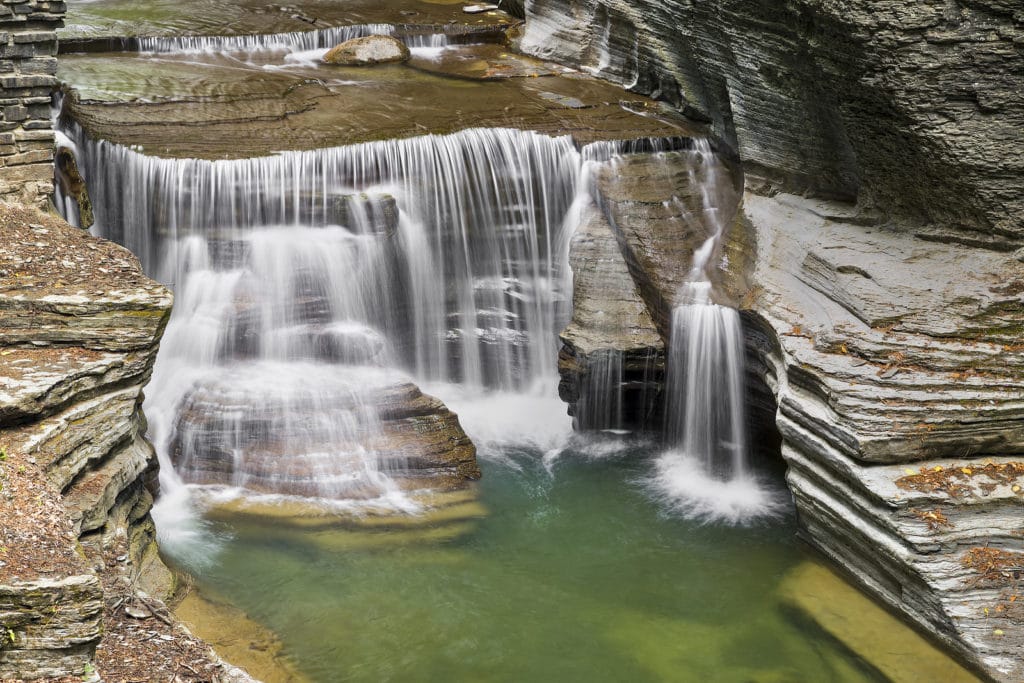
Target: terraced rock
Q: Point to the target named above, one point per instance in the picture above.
(902, 363)
(78, 337)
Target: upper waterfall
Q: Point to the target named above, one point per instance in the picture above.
(474, 287)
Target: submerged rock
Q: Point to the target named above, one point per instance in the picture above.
(319, 431)
(867, 631)
(367, 50)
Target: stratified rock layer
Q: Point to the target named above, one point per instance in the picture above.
(79, 330)
(612, 360)
(318, 431)
(898, 375)
(915, 108)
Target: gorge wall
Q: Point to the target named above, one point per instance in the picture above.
(911, 109)
(78, 339)
(883, 307)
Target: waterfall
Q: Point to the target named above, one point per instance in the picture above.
(305, 281)
(294, 41)
(705, 474)
(706, 385)
(706, 417)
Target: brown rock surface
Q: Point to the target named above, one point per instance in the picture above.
(612, 360)
(79, 333)
(317, 434)
(367, 51)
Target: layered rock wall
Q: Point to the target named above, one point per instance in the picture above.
(913, 109)
(79, 330)
(893, 371)
(897, 370)
(894, 362)
(28, 62)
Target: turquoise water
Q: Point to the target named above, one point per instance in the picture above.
(575, 573)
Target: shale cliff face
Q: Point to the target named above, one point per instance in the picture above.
(79, 330)
(897, 367)
(914, 109)
(891, 364)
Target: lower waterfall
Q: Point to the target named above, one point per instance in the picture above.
(706, 473)
(311, 286)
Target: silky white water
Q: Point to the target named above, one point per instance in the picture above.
(294, 41)
(310, 283)
(301, 276)
(706, 474)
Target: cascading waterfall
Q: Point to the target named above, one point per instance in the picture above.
(301, 277)
(705, 387)
(294, 41)
(706, 474)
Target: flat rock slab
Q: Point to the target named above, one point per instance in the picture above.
(92, 294)
(866, 629)
(441, 516)
(213, 107)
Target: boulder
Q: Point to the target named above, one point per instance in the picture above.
(367, 50)
(318, 430)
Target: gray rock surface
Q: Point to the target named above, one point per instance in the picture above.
(897, 371)
(891, 367)
(56, 624)
(79, 330)
(914, 109)
(612, 360)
